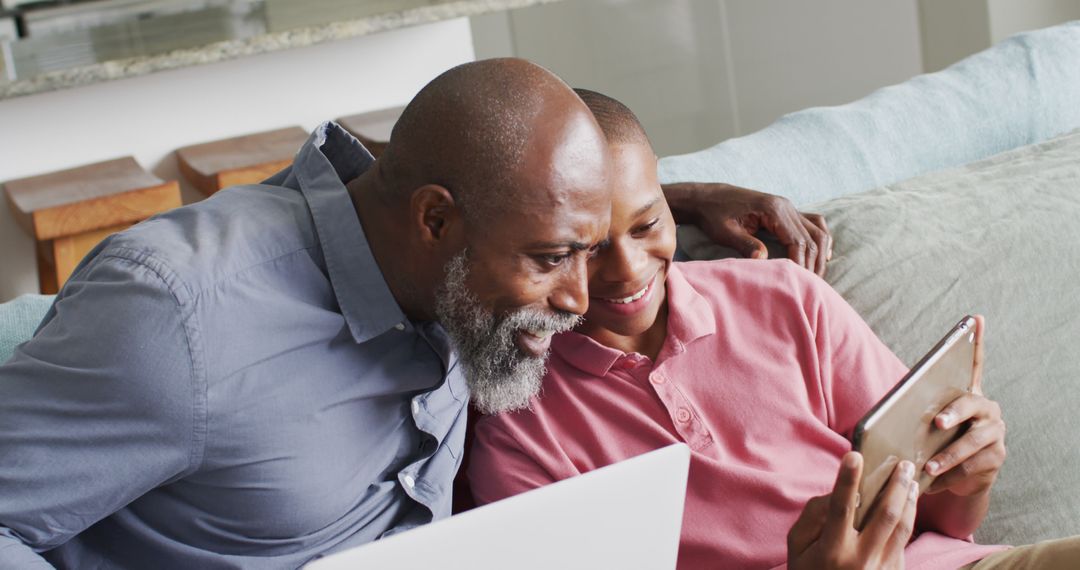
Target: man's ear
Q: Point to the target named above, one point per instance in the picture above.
(434, 214)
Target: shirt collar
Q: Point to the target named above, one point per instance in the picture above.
(329, 159)
(690, 317)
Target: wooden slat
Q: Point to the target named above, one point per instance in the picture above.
(107, 211)
(252, 175)
(68, 251)
(246, 158)
(372, 129)
(64, 188)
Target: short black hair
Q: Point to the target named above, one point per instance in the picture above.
(619, 123)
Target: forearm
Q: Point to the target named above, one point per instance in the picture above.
(952, 515)
(15, 554)
(684, 200)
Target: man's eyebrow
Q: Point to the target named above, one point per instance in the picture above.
(647, 207)
(572, 245)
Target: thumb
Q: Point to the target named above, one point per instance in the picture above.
(807, 529)
(736, 237)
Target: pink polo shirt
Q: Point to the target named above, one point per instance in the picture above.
(764, 373)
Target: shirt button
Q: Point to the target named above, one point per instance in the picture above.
(657, 378)
(400, 326)
(627, 364)
(683, 415)
(409, 481)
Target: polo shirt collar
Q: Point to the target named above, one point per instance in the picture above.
(690, 317)
(329, 159)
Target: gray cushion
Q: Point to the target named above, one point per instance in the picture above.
(999, 237)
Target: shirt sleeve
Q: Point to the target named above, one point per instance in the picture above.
(857, 369)
(499, 467)
(98, 408)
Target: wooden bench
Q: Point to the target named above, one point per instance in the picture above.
(68, 212)
(372, 129)
(247, 159)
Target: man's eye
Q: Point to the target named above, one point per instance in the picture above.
(555, 259)
(645, 228)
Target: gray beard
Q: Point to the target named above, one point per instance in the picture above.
(500, 377)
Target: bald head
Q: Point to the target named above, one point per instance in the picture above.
(483, 212)
(479, 128)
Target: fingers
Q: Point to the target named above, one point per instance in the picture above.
(843, 500)
(987, 429)
(894, 547)
(736, 236)
(819, 221)
(779, 216)
(889, 516)
(822, 240)
(964, 408)
(985, 433)
(976, 376)
(974, 475)
(807, 528)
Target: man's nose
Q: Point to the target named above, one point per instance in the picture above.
(571, 294)
(621, 263)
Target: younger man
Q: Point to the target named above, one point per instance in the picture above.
(763, 370)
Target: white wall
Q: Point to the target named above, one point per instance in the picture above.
(699, 71)
(652, 55)
(788, 55)
(150, 116)
(955, 29)
(1008, 17)
(952, 30)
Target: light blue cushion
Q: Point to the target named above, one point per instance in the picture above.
(18, 321)
(1024, 90)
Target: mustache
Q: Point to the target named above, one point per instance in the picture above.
(540, 320)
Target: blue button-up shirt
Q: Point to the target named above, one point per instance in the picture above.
(229, 385)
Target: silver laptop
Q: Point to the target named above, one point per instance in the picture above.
(627, 516)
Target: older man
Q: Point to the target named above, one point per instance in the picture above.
(262, 378)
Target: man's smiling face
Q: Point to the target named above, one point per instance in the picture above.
(524, 273)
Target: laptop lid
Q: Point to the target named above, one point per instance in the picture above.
(627, 515)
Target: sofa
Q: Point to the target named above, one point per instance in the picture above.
(955, 192)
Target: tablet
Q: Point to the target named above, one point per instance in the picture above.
(901, 426)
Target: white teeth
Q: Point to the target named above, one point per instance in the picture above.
(540, 334)
(629, 299)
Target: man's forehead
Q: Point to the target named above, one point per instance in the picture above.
(555, 225)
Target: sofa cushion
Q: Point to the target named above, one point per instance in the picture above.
(1000, 237)
(1023, 90)
(18, 321)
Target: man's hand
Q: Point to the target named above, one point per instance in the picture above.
(731, 215)
(824, 537)
(970, 465)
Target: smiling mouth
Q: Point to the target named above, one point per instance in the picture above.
(631, 298)
(539, 334)
(533, 342)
